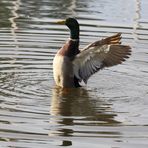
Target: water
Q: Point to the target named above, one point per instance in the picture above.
(110, 112)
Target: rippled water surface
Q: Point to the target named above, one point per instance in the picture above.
(110, 112)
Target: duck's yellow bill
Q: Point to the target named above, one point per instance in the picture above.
(61, 22)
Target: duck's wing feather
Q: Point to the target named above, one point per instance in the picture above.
(115, 39)
(96, 56)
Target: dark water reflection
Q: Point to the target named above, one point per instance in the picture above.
(73, 108)
(110, 112)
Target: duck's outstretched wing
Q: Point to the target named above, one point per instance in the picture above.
(104, 53)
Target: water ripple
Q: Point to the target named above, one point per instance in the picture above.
(110, 112)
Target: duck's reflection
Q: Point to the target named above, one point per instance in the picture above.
(71, 102)
(71, 107)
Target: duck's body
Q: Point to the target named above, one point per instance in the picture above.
(63, 71)
(70, 66)
(63, 64)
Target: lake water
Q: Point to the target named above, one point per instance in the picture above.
(110, 112)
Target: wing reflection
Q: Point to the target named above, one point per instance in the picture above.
(77, 107)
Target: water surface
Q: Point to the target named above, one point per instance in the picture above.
(110, 112)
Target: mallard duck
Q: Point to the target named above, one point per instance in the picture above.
(71, 65)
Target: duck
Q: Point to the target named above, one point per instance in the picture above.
(72, 65)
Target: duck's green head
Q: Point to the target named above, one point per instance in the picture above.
(73, 25)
